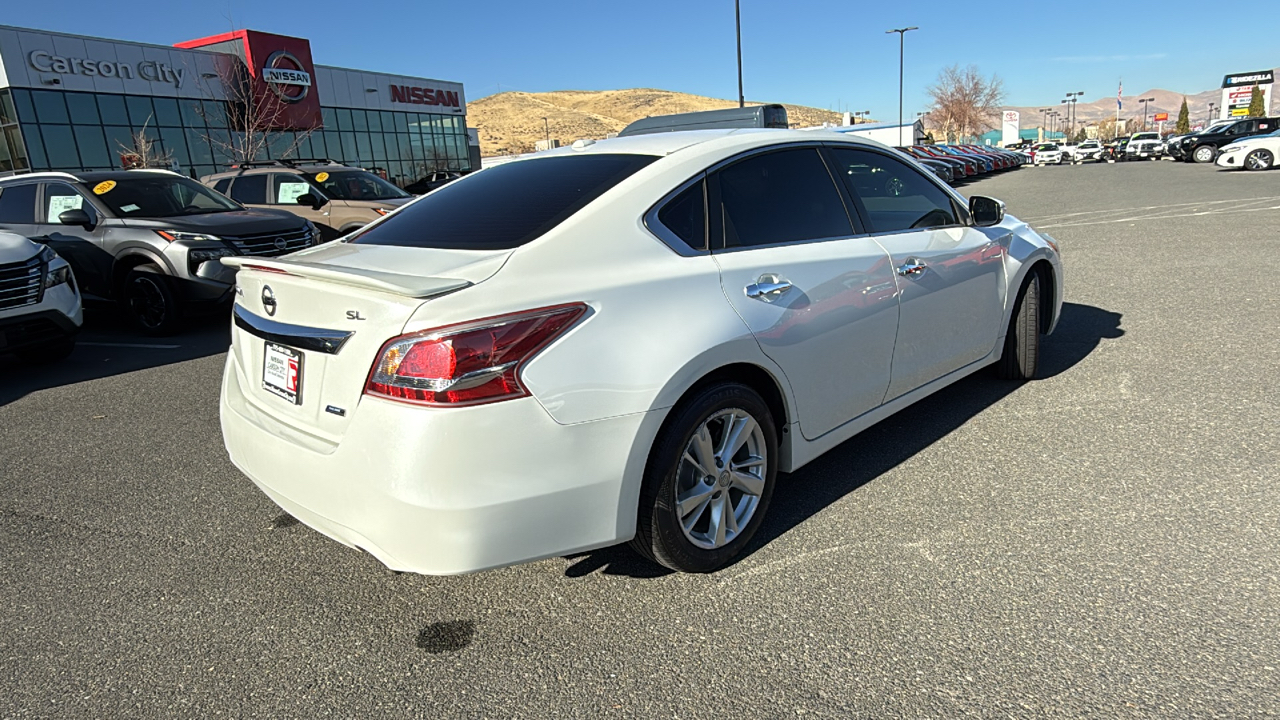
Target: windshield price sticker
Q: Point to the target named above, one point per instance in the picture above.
(321, 177)
(104, 187)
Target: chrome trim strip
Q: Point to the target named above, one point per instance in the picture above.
(319, 340)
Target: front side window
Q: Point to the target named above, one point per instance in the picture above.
(155, 196)
(287, 188)
(895, 196)
(505, 206)
(59, 198)
(355, 185)
(780, 197)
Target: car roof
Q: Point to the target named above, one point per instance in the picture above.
(720, 140)
(89, 176)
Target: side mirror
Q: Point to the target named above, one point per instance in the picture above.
(315, 202)
(986, 211)
(76, 217)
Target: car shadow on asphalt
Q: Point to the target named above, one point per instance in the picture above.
(884, 446)
(108, 345)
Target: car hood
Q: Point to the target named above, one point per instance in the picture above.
(235, 222)
(16, 248)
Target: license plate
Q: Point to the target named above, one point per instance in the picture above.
(282, 372)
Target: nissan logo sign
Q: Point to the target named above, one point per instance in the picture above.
(268, 300)
(281, 243)
(283, 73)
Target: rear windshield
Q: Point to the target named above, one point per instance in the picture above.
(505, 206)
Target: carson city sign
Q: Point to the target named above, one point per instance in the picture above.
(150, 70)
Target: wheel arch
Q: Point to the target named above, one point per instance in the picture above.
(128, 261)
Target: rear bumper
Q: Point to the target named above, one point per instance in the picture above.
(442, 491)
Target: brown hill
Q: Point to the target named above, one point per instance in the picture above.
(512, 122)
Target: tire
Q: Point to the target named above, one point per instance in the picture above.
(1259, 160)
(46, 354)
(688, 541)
(150, 302)
(1204, 154)
(1021, 357)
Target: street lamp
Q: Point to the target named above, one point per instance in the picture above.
(902, 33)
(1072, 117)
(1210, 122)
(1143, 102)
(860, 113)
(547, 128)
(1044, 122)
(737, 19)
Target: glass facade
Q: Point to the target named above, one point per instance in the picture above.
(63, 130)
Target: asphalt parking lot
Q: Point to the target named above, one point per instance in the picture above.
(1098, 543)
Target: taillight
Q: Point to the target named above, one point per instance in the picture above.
(470, 363)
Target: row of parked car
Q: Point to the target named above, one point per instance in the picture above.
(151, 241)
(1249, 143)
(955, 163)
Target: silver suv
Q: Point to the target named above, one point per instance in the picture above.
(148, 239)
(39, 303)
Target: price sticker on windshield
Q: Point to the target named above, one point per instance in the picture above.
(321, 177)
(104, 187)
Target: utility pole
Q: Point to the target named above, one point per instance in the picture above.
(902, 32)
(737, 18)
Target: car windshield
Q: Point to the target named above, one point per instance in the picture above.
(355, 185)
(505, 206)
(1146, 136)
(1047, 147)
(157, 195)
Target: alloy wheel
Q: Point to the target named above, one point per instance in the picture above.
(720, 478)
(1258, 160)
(147, 302)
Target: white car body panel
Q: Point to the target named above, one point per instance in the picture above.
(1232, 155)
(63, 299)
(448, 490)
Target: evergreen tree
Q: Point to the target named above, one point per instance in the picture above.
(1184, 120)
(1255, 103)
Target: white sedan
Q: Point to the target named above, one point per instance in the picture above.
(1253, 153)
(624, 340)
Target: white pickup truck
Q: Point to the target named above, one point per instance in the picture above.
(1144, 145)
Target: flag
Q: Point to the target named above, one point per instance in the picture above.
(1119, 92)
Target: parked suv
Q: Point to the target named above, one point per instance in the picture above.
(149, 239)
(1144, 145)
(337, 198)
(1203, 147)
(39, 302)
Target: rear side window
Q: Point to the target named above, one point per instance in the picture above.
(18, 204)
(781, 197)
(506, 206)
(222, 185)
(249, 189)
(686, 217)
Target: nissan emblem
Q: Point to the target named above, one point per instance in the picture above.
(268, 300)
(281, 243)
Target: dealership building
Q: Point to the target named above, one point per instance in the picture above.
(69, 102)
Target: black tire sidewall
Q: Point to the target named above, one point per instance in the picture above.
(1017, 341)
(659, 533)
(152, 274)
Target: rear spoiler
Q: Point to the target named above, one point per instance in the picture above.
(407, 285)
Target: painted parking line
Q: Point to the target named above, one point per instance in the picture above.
(129, 345)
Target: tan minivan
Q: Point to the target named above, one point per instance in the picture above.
(337, 198)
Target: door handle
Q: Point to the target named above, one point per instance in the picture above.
(912, 266)
(768, 288)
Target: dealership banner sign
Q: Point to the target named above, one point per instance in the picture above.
(1237, 91)
(1009, 127)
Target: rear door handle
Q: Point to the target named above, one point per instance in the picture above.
(911, 267)
(768, 288)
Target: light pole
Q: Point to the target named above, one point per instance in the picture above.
(1210, 122)
(1072, 117)
(902, 33)
(547, 128)
(860, 113)
(737, 19)
(1044, 123)
(1066, 105)
(1143, 102)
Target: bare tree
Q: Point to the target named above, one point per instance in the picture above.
(965, 104)
(144, 152)
(254, 118)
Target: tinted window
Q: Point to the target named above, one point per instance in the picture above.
(894, 195)
(780, 197)
(59, 198)
(250, 189)
(159, 195)
(18, 204)
(355, 185)
(505, 206)
(686, 216)
(222, 185)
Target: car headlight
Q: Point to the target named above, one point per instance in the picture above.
(182, 236)
(57, 277)
(315, 232)
(1231, 149)
(47, 255)
(204, 255)
(381, 212)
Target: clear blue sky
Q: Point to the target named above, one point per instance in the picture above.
(812, 52)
